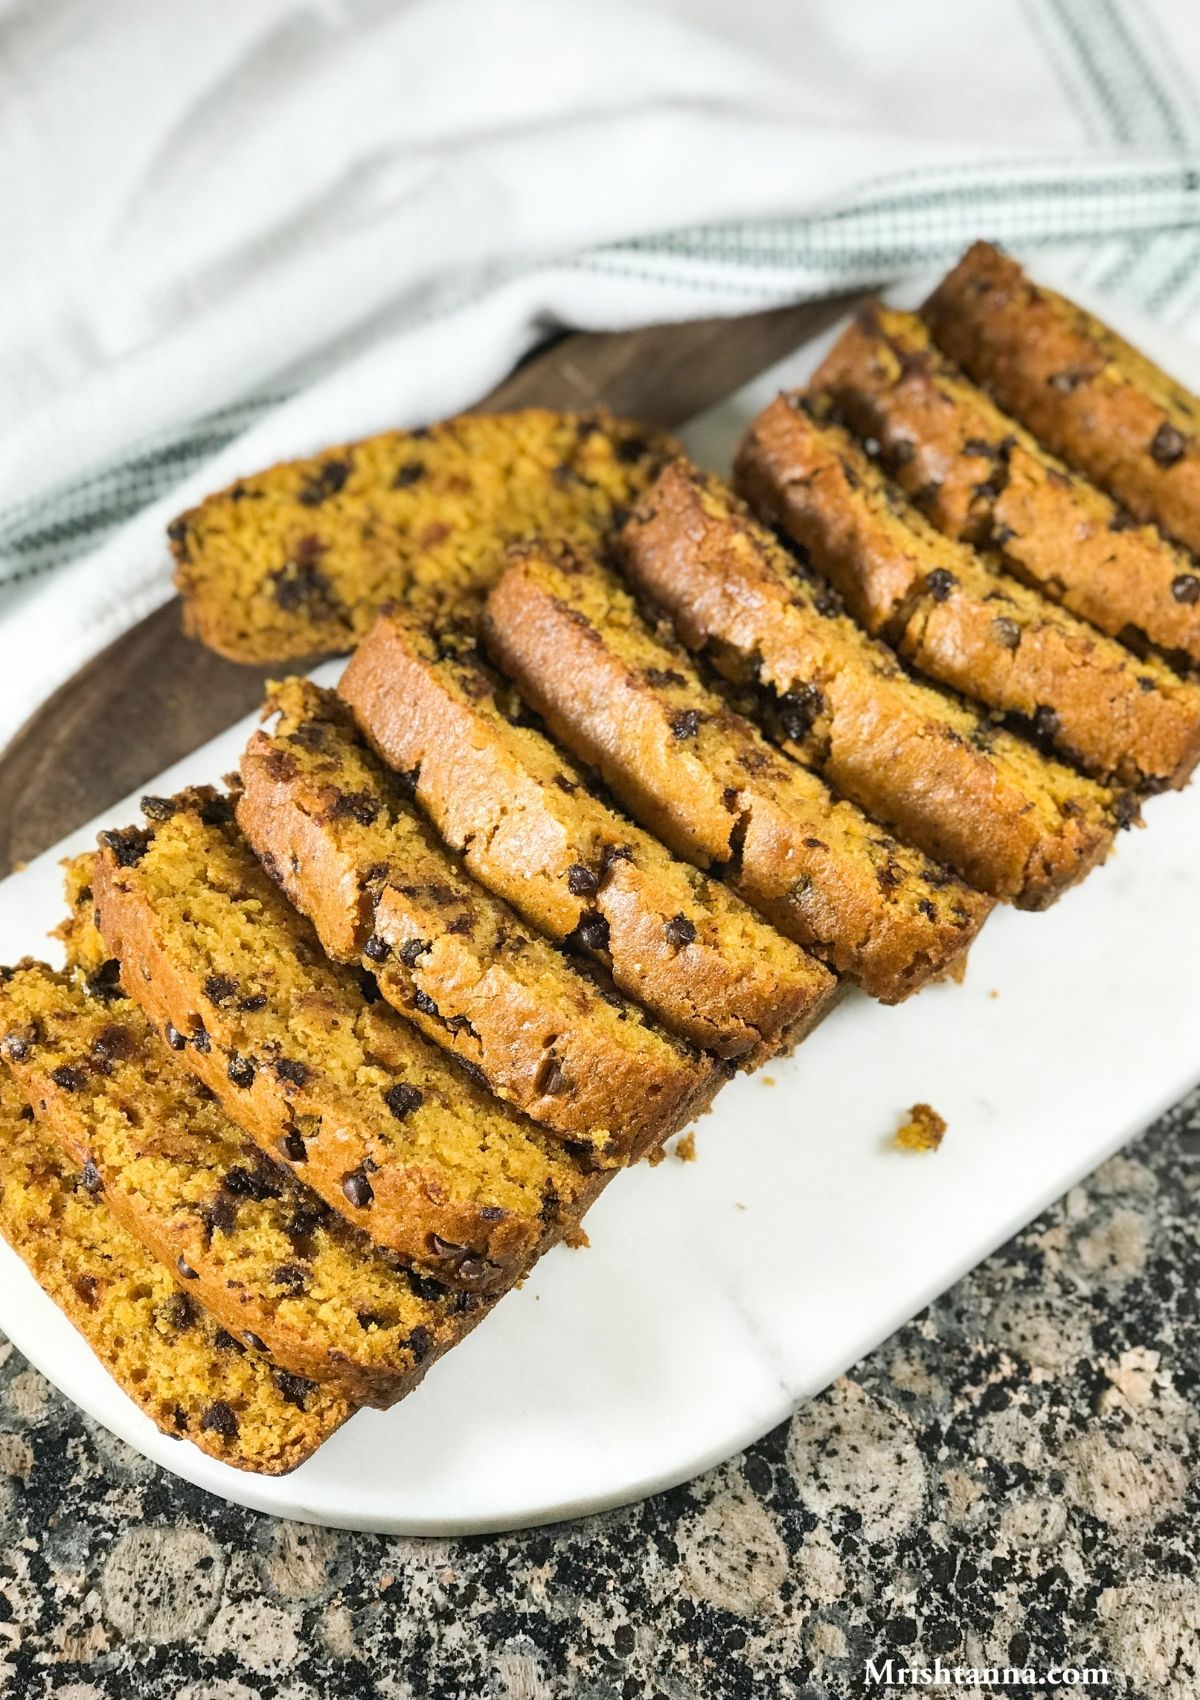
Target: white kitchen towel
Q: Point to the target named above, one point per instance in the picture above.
(235, 230)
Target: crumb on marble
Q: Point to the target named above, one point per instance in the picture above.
(685, 1146)
(767, 1079)
(656, 1156)
(923, 1130)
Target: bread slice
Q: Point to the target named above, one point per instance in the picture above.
(958, 618)
(703, 779)
(1081, 389)
(372, 1117)
(327, 820)
(528, 826)
(296, 560)
(189, 1376)
(268, 1259)
(981, 477)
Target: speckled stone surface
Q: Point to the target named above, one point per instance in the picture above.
(1013, 1479)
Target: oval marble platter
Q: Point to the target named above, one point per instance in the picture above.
(718, 1294)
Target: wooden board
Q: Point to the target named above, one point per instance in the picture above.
(154, 695)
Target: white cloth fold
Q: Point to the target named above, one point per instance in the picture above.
(257, 228)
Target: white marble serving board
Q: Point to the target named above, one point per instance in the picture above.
(716, 1295)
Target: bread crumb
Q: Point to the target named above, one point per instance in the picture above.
(655, 1157)
(576, 1239)
(685, 1147)
(993, 993)
(767, 1079)
(923, 1131)
(738, 1206)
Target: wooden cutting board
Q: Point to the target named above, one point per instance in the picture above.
(154, 694)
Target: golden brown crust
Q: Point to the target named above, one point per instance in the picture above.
(981, 477)
(164, 1352)
(376, 1119)
(327, 819)
(958, 618)
(282, 1273)
(521, 814)
(702, 778)
(295, 561)
(1081, 389)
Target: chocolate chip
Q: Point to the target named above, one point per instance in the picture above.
(219, 989)
(685, 723)
(679, 931)
(425, 1287)
(1126, 809)
(592, 932)
(358, 806)
(325, 482)
(254, 1341)
(200, 1039)
(927, 908)
(798, 709)
(114, 1044)
(551, 1078)
(17, 1044)
(939, 583)
(403, 1099)
(377, 949)
(411, 950)
(90, 1178)
(241, 1070)
(581, 881)
(1006, 631)
(87, 1289)
(257, 1184)
(1185, 588)
(410, 473)
(659, 677)
(253, 1003)
(158, 808)
(220, 1216)
(221, 1419)
(1067, 381)
(293, 1147)
(181, 1313)
(128, 847)
(419, 1343)
(185, 1269)
(295, 1389)
(423, 1002)
(358, 1189)
(174, 1037)
(1168, 445)
(298, 583)
(295, 1073)
(69, 1077)
(104, 983)
(292, 1276)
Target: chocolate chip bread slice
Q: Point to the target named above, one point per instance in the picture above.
(264, 1256)
(328, 821)
(957, 617)
(371, 1116)
(189, 1376)
(982, 478)
(528, 826)
(1081, 389)
(702, 778)
(297, 560)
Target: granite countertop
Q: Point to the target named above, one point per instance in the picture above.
(1014, 1478)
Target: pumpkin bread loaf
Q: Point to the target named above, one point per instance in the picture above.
(263, 1255)
(1081, 389)
(327, 820)
(528, 827)
(981, 477)
(702, 778)
(956, 617)
(371, 1116)
(189, 1375)
(296, 560)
